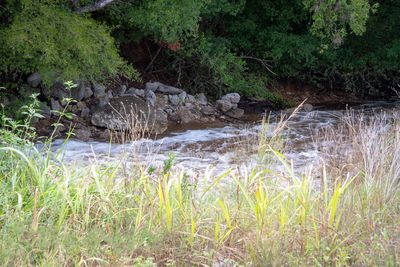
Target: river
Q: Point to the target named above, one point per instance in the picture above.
(223, 146)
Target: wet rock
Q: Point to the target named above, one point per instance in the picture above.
(34, 79)
(150, 97)
(202, 99)
(128, 109)
(174, 99)
(224, 105)
(55, 105)
(234, 98)
(236, 113)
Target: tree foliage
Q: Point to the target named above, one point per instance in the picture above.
(209, 45)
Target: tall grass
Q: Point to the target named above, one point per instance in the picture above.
(52, 214)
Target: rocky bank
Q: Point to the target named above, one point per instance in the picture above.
(98, 111)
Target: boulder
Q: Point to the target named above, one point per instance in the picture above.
(162, 88)
(307, 107)
(34, 79)
(234, 98)
(190, 99)
(119, 90)
(139, 92)
(202, 99)
(161, 101)
(55, 105)
(102, 101)
(59, 91)
(182, 97)
(83, 134)
(98, 90)
(78, 93)
(208, 110)
(150, 97)
(174, 100)
(128, 110)
(225, 105)
(235, 113)
(186, 114)
(85, 112)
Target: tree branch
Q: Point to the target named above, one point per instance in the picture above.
(94, 7)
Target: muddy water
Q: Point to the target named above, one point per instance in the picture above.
(222, 146)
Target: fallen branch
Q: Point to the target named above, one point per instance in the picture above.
(94, 7)
(263, 62)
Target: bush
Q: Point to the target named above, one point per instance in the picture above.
(61, 45)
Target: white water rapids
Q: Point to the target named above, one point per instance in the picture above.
(230, 146)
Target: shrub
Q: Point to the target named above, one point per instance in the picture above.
(61, 45)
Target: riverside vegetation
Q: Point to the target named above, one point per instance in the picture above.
(111, 214)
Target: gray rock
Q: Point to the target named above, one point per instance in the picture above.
(186, 114)
(190, 99)
(307, 107)
(140, 92)
(88, 92)
(208, 110)
(162, 88)
(45, 110)
(98, 90)
(153, 86)
(130, 91)
(78, 93)
(174, 99)
(34, 79)
(58, 91)
(120, 90)
(81, 105)
(161, 101)
(150, 97)
(83, 134)
(85, 112)
(235, 113)
(224, 105)
(103, 100)
(182, 97)
(202, 99)
(55, 105)
(125, 110)
(234, 98)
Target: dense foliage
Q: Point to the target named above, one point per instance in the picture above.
(204, 45)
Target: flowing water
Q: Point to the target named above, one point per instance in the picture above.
(197, 147)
